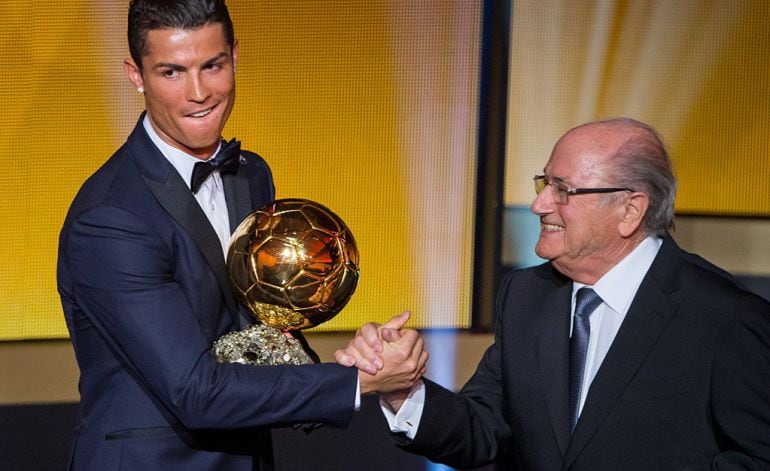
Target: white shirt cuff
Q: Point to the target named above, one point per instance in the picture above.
(407, 420)
(357, 403)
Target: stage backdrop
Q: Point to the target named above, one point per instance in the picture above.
(697, 70)
(370, 108)
(366, 107)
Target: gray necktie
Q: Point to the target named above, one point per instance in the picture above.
(586, 301)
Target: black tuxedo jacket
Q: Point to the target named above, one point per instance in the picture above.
(145, 293)
(685, 384)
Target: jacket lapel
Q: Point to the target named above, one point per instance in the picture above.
(178, 202)
(653, 307)
(239, 206)
(238, 197)
(175, 197)
(553, 355)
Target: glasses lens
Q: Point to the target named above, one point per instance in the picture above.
(560, 193)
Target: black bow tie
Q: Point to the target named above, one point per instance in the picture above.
(226, 161)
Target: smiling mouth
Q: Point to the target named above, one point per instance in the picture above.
(551, 227)
(201, 114)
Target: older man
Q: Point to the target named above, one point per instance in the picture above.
(622, 352)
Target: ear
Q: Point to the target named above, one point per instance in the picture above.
(634, 209)
(133, 73)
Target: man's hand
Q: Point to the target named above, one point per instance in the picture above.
(390, 359)
(365, 349)
(404, 358)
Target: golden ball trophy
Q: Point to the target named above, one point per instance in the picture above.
(294, 264)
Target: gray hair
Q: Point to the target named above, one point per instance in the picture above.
(643, 164)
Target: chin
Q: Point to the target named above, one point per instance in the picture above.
(542, 253)
(200, 144)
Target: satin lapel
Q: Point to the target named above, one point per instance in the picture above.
(177, 200)
(655, 304)
(173, 194)
(239, 205)
(238, 197)
(553, 354)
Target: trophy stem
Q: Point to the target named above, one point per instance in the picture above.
(277, 316)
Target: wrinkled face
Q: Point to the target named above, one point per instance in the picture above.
(188, 79)
(582, 236)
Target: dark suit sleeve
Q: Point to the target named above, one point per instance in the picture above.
(463, 430)
(740, 387)
(466, 429)
(121, 276)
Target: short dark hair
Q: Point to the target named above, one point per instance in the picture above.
(147, 15)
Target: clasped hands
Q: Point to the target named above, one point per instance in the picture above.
(390, 358)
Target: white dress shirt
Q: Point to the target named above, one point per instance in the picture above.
(617, 289)
(211, 194)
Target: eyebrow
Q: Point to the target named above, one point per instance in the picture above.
(215, 58)
(554, 178)
(172, 66)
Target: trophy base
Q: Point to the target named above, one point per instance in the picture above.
(260, 345)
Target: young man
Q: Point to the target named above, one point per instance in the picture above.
(143, 282)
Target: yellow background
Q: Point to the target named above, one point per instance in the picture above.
(697, 70)
(366, 107)
(370, 108)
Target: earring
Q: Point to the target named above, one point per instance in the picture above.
(140, 89)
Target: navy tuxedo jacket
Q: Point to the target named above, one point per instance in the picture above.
(684, 386)
(145, 293)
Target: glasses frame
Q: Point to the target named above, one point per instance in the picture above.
(562, 192)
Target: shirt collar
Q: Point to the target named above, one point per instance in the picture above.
(181, 161)
(618, 286)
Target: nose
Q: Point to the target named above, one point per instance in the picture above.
(544, 203)
(197, 90)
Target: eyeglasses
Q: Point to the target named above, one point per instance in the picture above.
(561, 192)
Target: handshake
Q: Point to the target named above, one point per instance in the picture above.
(390, 359)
